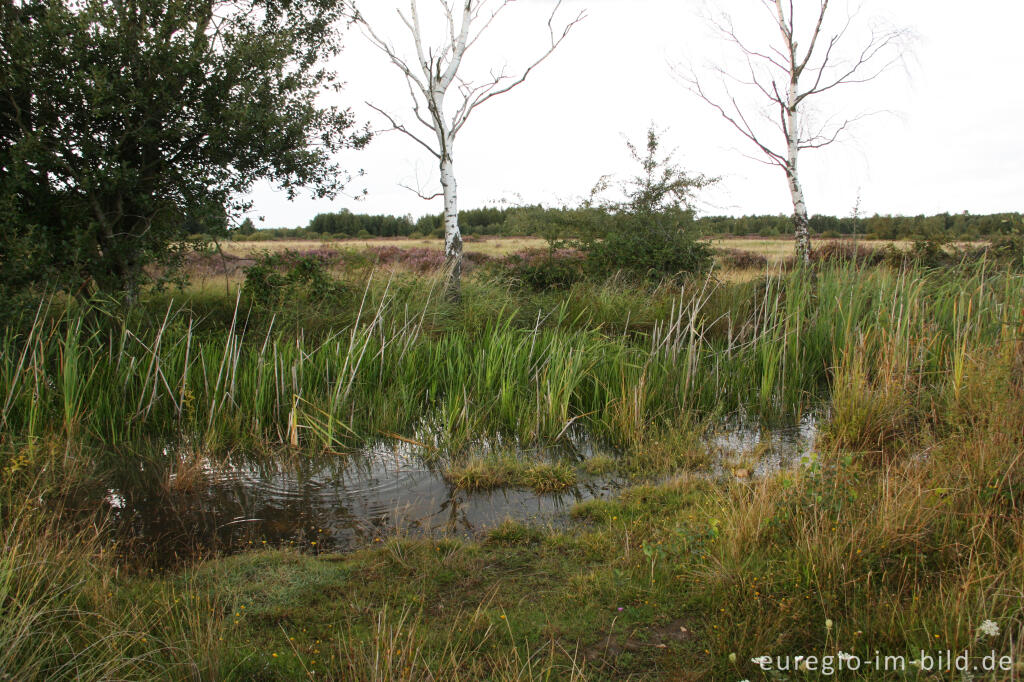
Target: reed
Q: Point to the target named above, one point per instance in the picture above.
(772, 347)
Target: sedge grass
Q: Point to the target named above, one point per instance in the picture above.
(509, 471)
(771, 347)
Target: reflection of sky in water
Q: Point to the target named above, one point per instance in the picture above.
(337, 503)
(741, 443)
(341, 502)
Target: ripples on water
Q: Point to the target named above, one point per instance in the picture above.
(338, 504)
(343, 502)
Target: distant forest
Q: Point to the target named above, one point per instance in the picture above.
(511, 222)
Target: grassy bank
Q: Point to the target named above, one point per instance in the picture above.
(905, 532)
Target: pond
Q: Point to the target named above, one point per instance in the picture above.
(342, 502)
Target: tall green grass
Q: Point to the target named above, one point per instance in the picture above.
(769, 347)
(902, 553)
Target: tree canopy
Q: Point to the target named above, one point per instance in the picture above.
(125, 125)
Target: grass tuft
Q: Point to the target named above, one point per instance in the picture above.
(510, 471)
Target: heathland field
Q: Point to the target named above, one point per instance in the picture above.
(488, 246)
(737, 258)
(320, 468)
(776, 250)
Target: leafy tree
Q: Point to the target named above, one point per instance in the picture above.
(125, 123)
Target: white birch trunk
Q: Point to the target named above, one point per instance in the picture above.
(452, 234)
(801, 222)
(814, 57)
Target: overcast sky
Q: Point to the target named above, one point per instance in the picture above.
(951, 139)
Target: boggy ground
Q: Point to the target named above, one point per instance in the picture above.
(903, 534)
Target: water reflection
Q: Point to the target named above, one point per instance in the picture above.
(341, 502)
(743, 447)
(326, 504)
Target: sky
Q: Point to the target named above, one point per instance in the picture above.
(945, 136)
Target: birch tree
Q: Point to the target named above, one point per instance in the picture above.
(442, 100)
(807, 49)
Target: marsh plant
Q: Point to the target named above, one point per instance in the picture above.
(773, 346)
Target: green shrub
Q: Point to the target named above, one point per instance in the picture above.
(1008, 250)
(652, 234)
(292, 278)
(21, 264)
(559, 270)
(637, 249)
(930, 253)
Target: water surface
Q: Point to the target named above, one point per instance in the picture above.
(341, 502)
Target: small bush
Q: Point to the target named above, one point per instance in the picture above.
(930, 253)
(651, 235)
(740, 259)
(542, 271)
(292, 278)
(23, 274)
(1008, 250)
(847, 252)
(634, 248)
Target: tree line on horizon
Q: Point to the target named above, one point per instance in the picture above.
(511, 222)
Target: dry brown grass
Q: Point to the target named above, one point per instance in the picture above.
(735, 255)
(489, 246)
(775, 249)
(778, 249)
